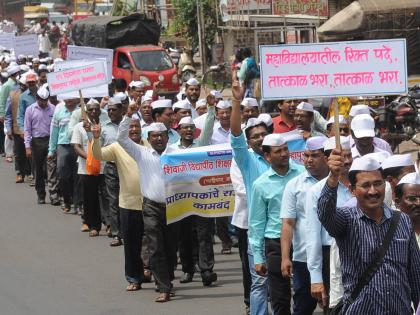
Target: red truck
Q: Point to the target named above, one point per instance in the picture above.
(146, 63)
(137, 57)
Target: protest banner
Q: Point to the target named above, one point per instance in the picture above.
(75, 79)
(7, 40)
(97, 91)
(89, 53)
(374, 67)
(26, 45)
(296, 145)
(197, 182)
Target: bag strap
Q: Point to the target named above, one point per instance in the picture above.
(377, 261)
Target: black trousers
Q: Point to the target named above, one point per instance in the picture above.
(132, 230)
(67, 174)
(326, 271)
(2, 135)
(278, 286)
(201, 228)
(243, 254)
(91, 205)
(39, 158)
(163, 243)
(112, 184)
(222, 232)
(22, 166)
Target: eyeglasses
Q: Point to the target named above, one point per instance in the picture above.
(376, 185)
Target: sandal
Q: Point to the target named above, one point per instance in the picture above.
(66, 209)
(9, 159)
(84, 228)
(163, 297)
(93, 233)
(133, 287)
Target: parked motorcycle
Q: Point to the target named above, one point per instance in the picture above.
(400, 119)
(186, 65)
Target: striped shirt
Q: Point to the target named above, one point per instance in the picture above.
(397, 282)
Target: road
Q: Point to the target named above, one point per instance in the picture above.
(48, 267)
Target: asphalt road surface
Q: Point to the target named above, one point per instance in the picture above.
(49, 267)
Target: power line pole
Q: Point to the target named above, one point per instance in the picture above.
(201, 38)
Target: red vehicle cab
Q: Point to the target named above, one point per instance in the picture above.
(148, 64)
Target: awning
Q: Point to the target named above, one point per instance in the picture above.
(383, 5)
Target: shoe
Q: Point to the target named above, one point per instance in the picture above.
(147, 276)
(187, 278)
(208, 278)
(41, 201)
(116, 242)
(163, 297)
(66, 209)
(84, 228)
(55, 202)
(226, 251)
(93, 233)
(19, 179)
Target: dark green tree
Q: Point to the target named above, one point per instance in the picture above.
(186, 21)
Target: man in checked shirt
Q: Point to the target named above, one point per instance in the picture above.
(359, 232)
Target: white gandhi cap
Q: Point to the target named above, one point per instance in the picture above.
(305, 106)
(216, 94)
(363, 126)
(273, 140)
(315, 143)
(341, 120)
(410, 178)
(223, 104)
(182, 105)
(329, 144)
(162, 104)
(379, 156)
(358, 110)
(43, 92)
(252, 122)
(266, 119)
(157, 127)
(200, 103)
(365, 164)
(249, 102)
(398, 160)
(186, 121)
(193, 82)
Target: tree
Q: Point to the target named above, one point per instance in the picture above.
(186, 21)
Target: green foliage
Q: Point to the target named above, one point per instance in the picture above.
(123, 7)
(186, 21)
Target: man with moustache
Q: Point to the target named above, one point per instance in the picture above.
(130, 200)
(144, 113)
(192, 93)
(407, 199)
(319, 242)
(293, 214)
(360, 232)
(304, 118)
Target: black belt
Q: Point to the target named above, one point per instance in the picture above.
(153, 203)
(111, 164)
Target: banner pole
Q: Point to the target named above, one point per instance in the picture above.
(336, 124)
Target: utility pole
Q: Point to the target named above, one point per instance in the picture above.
(201, 38)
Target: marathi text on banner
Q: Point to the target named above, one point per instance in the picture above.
(374, 67)
(307, 7)
(197, 182)
(78, 78)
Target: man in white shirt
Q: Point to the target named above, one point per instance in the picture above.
(162, 237)
(363, 133)
(44, 44)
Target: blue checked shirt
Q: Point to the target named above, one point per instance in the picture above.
(397, 282)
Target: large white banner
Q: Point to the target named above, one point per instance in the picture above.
(75, 79)
(7, 40)
(26, 45)
(374, 67)
(83, 52)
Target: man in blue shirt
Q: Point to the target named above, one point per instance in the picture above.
(264, 219)
(27, 98)
(60, 146)
(252, 164)
(318, 241)
(293, 214)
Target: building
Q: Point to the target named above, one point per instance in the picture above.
(12, 10)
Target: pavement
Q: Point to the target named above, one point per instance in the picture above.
(47, 266)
